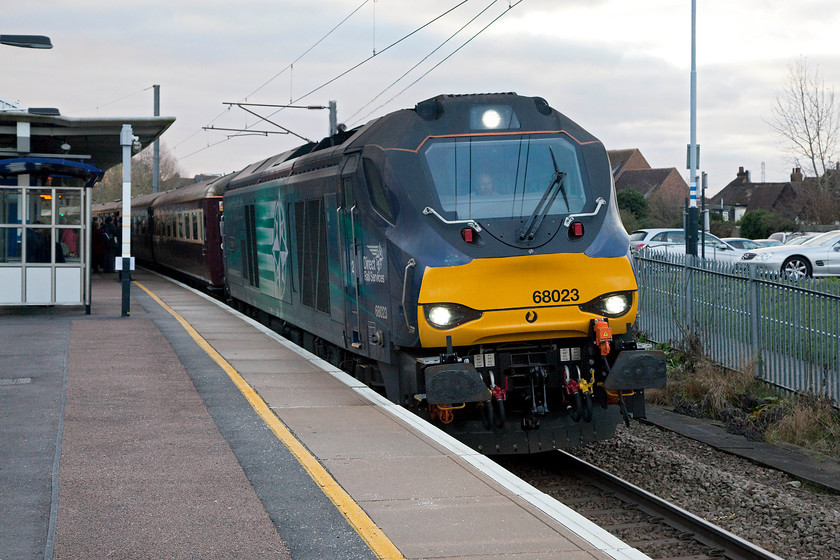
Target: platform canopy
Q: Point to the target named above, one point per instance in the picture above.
(95, 140)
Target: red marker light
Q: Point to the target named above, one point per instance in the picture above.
(468, 234)
(576, 230)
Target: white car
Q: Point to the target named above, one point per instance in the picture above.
(785, 237)
(672, 241)
(742, 243)
(655, 237)
(818, 256)
(768, 242)
(800, 239)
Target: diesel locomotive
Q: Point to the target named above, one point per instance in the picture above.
(465, 256)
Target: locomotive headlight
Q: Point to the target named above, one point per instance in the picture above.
(448, 315)
(491, 118)
(610, 305)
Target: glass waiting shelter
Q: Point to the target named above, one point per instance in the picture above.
(45, 231)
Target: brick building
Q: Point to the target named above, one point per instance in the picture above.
(632, 171)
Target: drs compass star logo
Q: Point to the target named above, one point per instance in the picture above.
(373, 260)
(279, 249)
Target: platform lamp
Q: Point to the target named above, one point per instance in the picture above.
(26, 41)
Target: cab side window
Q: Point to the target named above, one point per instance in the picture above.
(379, 195)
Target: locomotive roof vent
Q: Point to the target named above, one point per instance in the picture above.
(429, 110)
(542, 106)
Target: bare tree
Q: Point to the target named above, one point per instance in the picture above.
(110, 188)
(806, 116)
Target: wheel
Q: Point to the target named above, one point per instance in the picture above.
(796, 268)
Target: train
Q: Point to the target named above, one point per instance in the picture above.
(465, 257)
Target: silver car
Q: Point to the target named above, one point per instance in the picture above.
(642, 239)
(742, 243)
(672, 241)
(818, 256)
(768, 242)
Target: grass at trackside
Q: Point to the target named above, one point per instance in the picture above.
(746, 405)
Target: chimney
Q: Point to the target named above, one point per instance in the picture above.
(743, 176)
(796, 175)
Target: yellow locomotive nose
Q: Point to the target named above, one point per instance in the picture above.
(524, 298)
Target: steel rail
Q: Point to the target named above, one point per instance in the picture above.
(708, 534)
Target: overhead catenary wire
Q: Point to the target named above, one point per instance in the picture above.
(447, 57)
(511, 5)
(209, 145)
(328, 82)
(368, 59)
(286, 130)
(407, 72)
(274, 77)
(132, 94)
(374, 55)
(307, 51)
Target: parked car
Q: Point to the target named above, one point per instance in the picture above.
(817, 256)
(672, 241)
(786, 236)
(801, 238)
(656, 237)
(742, 243)
(768, 242)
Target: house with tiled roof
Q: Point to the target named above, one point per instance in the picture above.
(742, 195)
(632, 171)
(621, 160)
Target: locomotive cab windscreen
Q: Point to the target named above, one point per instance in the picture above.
(510, 183)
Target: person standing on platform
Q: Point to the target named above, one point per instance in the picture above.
(97, 247)
(69, 242)
(110, 240)
(37, 245)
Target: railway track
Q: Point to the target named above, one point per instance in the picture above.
(648, 523)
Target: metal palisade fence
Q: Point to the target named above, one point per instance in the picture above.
(787, 330)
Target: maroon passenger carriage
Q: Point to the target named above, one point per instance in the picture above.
(179, 230)
(141, 235)
(185, 229)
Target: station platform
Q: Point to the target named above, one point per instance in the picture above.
(187, 430)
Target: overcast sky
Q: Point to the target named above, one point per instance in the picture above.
(620, 68)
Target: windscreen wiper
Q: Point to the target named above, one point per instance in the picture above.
(558, 179)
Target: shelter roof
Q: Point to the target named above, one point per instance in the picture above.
(94, 140)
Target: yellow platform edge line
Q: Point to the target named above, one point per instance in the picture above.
(373, 536)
